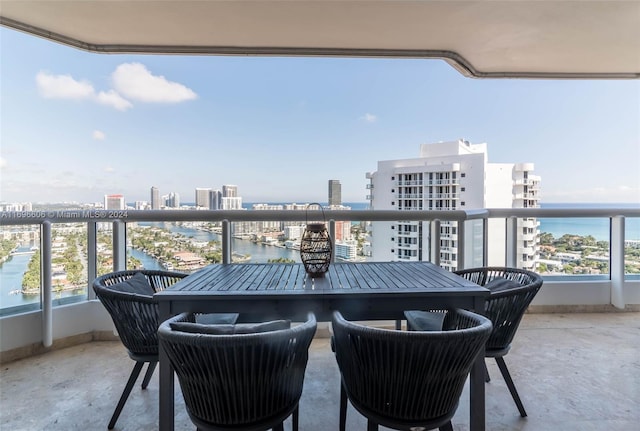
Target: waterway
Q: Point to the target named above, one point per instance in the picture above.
(11, 272)
(259, 253)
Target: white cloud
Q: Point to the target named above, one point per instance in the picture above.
(369, 118)
(113, 99)
(109, 169)
(136, 82)
(3, 163)
(63, 87)
(98, 135)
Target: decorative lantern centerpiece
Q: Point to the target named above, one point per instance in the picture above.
(316, 247)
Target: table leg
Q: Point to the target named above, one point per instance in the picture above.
(166, 407)
(476, 382)
(476, 395)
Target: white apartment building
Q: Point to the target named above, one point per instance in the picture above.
(452, 175)
(346, 250)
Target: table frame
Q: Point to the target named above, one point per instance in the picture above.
(360, 291)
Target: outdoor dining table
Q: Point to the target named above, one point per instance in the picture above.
(360, 291)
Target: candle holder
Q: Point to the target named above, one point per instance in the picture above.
(315, 246)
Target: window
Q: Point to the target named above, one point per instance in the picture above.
(462, 175)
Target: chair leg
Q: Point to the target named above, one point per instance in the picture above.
(447, 427)
(294, 420)
(343, 409)
(125, 394)
(147, 377)
(372, 426)
(487, 377)
(512, 388)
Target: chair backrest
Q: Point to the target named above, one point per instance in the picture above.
(505, 307)
(400, 378)
(134, 316)
(240, 381)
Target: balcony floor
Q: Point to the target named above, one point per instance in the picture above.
(573, 372)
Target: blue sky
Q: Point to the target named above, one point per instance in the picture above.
(76, 126)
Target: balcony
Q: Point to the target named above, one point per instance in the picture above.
(563, 365)
(567, 382)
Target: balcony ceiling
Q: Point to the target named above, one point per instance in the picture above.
(485, 39)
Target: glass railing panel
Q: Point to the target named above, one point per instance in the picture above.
(266, 241)
(632, 248)
(69, 263)
(19, 285)
(173, 246)
(104, 248)
(574, 247)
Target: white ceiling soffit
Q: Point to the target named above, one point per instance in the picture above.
(484, 39)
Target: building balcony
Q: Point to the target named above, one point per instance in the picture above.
(447, 182)
(443, 196)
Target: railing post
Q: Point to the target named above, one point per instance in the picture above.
(332, 235)
(92, 257)
(617, 262)
(434, 234)
(119, 246)
(45, 285)
(226, 241)
(485, 241)
(511, 258)
(461, 254)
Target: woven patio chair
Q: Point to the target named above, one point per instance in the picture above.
(128, 297)
(511, 292)
(239, 377)
(407, 379)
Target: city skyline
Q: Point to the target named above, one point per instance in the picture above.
(77, 126)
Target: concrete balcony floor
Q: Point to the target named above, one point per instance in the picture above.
(573, 372)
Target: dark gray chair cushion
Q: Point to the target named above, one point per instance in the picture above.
(137, 284)
(226, 329)
(418, 320)
(217, 318)
(500, 284)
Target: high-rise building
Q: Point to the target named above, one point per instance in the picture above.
(155, 198)
(335, 192)
(230, 198)
(229, 191)
(203, 198)
(216, 200)
(173, 200)
(452, 175)
(114, 202)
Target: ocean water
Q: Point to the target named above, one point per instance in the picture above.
(596, 227)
